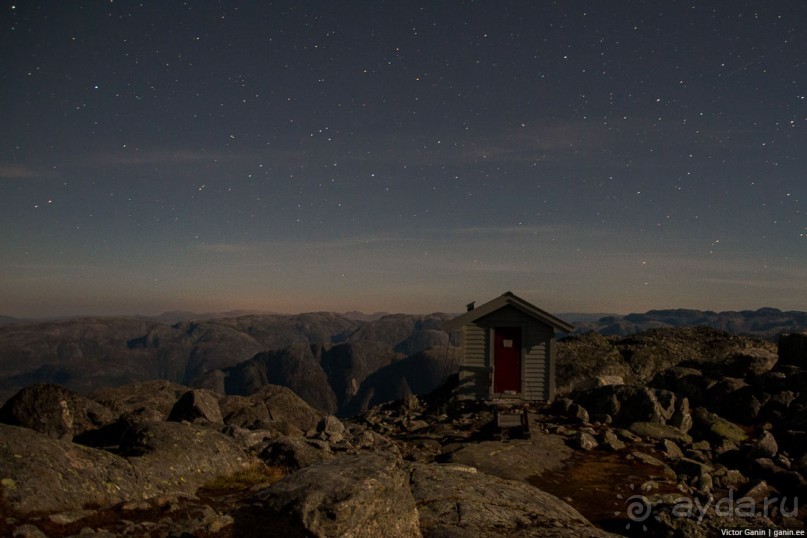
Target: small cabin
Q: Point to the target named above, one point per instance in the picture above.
(508, 350)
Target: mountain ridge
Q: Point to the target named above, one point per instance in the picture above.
(86, 353)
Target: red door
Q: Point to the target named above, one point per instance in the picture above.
(507, 359)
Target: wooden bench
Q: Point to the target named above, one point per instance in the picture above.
(509, 421)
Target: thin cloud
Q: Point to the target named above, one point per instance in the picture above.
(227, 248)
(339, 243)
(564, 232)
(185, 156)
(19, 171)
(158, 157)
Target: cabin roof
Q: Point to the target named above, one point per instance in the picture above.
(507, 299)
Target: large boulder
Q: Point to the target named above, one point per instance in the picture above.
(181, 457)
(659, 432)
(272, 407)
(456, 501)
(792, 348)
(753, 362)
(55, 411)
(685, 382)
(42, 474)
(744, 405)
(627, 404)
(295, 452)
(714, 428)
(357, 496)
(141, 402)
(198, 404)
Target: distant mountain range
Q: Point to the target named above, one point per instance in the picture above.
(330, 354)
(340, 363)
(177, 316)
(764, 322)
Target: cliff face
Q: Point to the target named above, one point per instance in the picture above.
(86, 354)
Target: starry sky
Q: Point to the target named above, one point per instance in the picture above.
(401, 156)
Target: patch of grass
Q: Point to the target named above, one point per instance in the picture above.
(246, 478)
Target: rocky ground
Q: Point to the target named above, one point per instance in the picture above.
(669, 436)
(159, 459)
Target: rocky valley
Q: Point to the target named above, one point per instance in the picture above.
(324, 425)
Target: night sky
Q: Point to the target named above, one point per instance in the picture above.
(592, 156)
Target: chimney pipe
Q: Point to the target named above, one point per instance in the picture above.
(470, 306)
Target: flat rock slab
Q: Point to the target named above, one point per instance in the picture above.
(454, 501)
(357, 496)
(516, 459)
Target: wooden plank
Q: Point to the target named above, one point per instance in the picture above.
(508, 420)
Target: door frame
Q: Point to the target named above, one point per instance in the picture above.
(492, 356)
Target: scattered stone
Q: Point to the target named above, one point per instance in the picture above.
(577, 413)
(583, 441)
(778, 406)
(764, 468)
(250, 440)
(28, 531)
(417, 425)
(691, 468)
(70, 517)
(629, 403)
(759, 491)
(705, 483)
(724, 446)
(712, 427)
(670, 449)
(602, 418)
(730, 479)
(628, 436)
(331, 428)
(655, 431)
(783, 461)
(561, 406)
(647, 459)
(689, 383)
(701, 445)
(610, 440)
(648, 486)
(764, 447)
(569, 410)
(681, 418)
